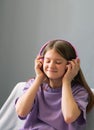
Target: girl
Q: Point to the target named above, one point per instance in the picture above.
(59, 96)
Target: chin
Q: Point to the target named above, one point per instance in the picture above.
(53, 77)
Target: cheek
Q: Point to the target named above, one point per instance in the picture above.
(44, 66)
(62, 69)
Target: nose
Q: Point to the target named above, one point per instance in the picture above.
(52, 64)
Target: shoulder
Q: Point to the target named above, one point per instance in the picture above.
(78, 87)
(79, 90)
(28, 84)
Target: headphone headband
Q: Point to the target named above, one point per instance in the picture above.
(42, 48)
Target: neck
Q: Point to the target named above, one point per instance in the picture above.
(55, 83)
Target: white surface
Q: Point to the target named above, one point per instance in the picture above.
(8, 117)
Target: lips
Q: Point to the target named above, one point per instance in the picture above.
(54, 71)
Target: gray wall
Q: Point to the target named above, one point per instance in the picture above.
(25, 25)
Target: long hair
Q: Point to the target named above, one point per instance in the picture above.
(67, 51)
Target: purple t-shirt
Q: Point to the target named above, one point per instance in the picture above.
(46, 112)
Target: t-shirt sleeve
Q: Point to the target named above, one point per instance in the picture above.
(81, 98)
(28, 84)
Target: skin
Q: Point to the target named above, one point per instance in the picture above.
(58, 72)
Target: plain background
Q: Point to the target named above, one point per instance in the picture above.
(25, 25)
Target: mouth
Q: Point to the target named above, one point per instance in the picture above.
(52, 71)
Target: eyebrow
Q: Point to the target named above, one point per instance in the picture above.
(58, 59)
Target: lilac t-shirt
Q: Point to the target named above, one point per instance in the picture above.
(46, 112)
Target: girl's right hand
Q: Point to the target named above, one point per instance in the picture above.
(39, 68)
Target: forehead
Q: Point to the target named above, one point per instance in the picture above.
(53, 54)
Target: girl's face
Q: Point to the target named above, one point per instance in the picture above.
(54, 65)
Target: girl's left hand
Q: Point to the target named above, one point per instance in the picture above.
(72, 69)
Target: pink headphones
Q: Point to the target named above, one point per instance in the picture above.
(42, 48)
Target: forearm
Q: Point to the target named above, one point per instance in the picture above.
(70, 108)
(25, 102)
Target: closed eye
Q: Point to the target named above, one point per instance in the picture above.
(55, 61)
(47, 60)
(58, 62)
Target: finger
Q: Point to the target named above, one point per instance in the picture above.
(71, 64)
(40, 57)
(74, 66)
(77, 60)
(77, 65)
(68, 67)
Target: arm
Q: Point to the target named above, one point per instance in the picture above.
(70, 108)
(25, 102)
